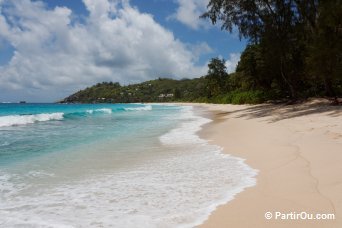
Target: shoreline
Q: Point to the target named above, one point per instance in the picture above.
(179, 177)
(297, 152)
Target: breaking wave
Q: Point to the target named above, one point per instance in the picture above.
(101, 110)
(144, 108)
(15, 120)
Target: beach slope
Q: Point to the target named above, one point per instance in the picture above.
(298, 152)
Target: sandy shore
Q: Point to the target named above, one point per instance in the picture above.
(298, 152)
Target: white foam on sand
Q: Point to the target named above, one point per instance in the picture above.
(223, 175)
(177, 190)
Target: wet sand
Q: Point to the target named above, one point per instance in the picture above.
(298, 152)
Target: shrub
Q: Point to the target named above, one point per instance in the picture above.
(240, 97)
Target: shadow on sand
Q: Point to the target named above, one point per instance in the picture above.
(279, 112)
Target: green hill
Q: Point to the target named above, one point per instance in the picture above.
(159, 90)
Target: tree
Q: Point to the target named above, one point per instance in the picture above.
(216, 76)
(252, 69)
(177, 93)
(324, 59)
(276, 26)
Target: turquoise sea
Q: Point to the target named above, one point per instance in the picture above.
(111, 165)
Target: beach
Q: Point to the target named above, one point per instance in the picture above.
(201, 165)
(297, 150)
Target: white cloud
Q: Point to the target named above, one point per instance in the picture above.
(55, 56)
(200, 49)
(189, 11)
(232, 62)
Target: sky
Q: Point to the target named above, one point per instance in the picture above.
(53, 48)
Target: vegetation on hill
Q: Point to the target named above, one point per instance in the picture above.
(294, 51)
(159, 90)
(216, 87)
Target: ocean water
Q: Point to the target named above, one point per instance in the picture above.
(111, 165)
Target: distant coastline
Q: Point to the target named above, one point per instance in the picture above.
(170, 90)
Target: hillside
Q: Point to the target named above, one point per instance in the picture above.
(159, 90)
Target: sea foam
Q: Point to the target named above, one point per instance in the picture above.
(15, 120)
(178, 189)
(144, 108)
(100, 110)
(223, 175)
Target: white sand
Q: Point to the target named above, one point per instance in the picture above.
(298, 151)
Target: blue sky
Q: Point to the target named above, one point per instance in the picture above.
(49, 49)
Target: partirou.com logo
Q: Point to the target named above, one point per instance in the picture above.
(277, 215)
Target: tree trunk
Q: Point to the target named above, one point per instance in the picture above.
(329, 91)
(292, 90)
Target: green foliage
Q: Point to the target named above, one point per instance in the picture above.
(240, 97)
(295, 46)
(216, 77)
(160, 90)
(324, 60)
